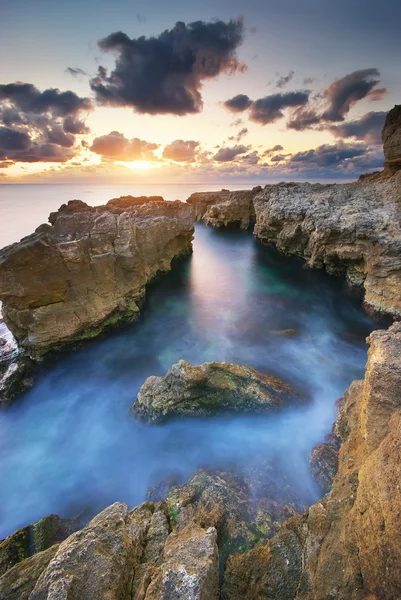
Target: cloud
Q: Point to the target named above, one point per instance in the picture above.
(367, 128)
(238, 103)
(242, 133)
(377, 95)
(303, 118)
(75, 71)
(164, 74)
(309, 80)
(275, 148)
(229, 154)
(39, 126)
(328, 155)
(116, 146)
(269, 109)
(342, 94)
(283, 81)
(181, 151)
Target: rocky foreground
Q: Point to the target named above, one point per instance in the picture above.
(347, 546)
(88, 268)
(209, 389)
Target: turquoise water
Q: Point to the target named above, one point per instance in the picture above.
(69, 443)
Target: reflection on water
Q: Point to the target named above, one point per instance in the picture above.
(69, 443)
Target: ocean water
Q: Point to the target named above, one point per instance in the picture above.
(69, 443)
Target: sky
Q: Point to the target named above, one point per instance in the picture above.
(182, 91)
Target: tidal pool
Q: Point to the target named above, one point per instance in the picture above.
(69, 443)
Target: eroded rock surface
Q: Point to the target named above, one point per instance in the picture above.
(391, 137)
(88, 268)
(15, 369)
(348, 545)
(225, 208)
(210, 388)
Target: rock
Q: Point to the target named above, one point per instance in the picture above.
(210, 388)
(19, 581)
(225, 208)
(88, 269)
(348, 545)
(391, 137)
(34, 538)
(324, 463)
(15, 369)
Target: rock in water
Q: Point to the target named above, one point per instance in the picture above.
(88, 269)
(208, 389)
(225, 208)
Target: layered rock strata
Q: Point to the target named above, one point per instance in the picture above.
(210, 388)
(225, 208)
(88, 268)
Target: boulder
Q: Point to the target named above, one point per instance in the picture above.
(88, 269)
(208, 389)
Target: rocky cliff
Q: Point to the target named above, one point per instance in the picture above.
(88, 268)
(350, 229)
(348, 546)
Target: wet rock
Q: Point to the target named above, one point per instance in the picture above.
(391, 137)
(34, 538)
(210, 388)
(88, 269)
(324, 462)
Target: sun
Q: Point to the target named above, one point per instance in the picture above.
(139, 165)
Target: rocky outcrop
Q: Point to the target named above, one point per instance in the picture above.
(352, 230)
(34, 538)
(225, 208)
(188, 390)
(391, 137)
(88, 268)
(15, 368)
(169, 550)
(348, 545)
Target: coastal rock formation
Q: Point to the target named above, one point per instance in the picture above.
(15, 369)
(210, 388)
(88, 268)
(225, 208)
(170, 550)
(391, 137)
(348, 545)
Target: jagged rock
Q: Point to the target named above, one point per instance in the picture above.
(34, 538)
(209, 388)
(391, 136)
(324, 461)
(225, 208)
(19, 581)
(15, 369)
(88, 269)
(348, 545)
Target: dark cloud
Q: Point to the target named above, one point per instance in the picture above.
(309, 80)
(229, 154)
(238, 103)
(252, 158)
(43, 123)
(367, 128)
(164, 74)
(279, 157)
(328, 155)
(116, 146)
(242, 133)
(283, 81)
(181, 151)
(342, 94)
(275, 148)
(303, 118)
(75, 71)
(269, 109)
(5, 164)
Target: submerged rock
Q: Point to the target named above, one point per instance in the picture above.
(208, 389)
(348, 545)
(88, 269)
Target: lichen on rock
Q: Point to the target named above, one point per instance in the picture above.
(210, 388)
